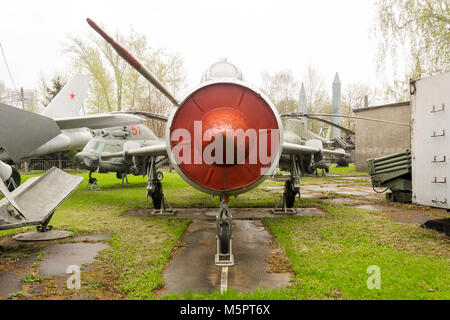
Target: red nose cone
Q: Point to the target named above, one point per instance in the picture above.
(225, 123)
(221, 107)
(220, 120)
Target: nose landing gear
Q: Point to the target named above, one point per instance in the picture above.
(291, 189)
(92, 184)
(224, 256)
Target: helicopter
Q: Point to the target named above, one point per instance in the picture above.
(116, 139)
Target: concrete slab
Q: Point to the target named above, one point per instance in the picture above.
(210, 213)
(43, 236)
(375, 207)
(320, 188)
(342, 200)
(251, 247)
(10, 282)
(354, 178)
(274, 187)
(309, 195)
(410, 216)
(92, 237)
(58, 257)
(354, 193)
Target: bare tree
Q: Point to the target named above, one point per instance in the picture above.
(282, 89)
(353, 97)
(317, 98)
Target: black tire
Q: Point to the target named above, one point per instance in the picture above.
(157, 196)
(119, 175)
(224, 238)
(289, 194)
(159, 175)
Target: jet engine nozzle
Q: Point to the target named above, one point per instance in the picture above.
(9, 175)
(224, 137)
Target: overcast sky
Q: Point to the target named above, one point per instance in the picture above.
(265, 35)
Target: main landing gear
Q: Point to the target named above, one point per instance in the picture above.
(224, 256)
(291, 189)
(155, 190)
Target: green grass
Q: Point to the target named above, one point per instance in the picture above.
(31, 278)
(330, 255)
(18, 294)
(347, 171)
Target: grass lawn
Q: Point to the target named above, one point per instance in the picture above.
(329, 255)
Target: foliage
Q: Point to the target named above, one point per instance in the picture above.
(419, 32)
(115, 85)
(282, 89)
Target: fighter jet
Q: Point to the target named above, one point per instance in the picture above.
(224, 138)
(117, 139)
(59, 128)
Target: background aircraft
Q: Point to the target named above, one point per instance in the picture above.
(59, 128)
(25, 134)
(117, 139)
(223, 102)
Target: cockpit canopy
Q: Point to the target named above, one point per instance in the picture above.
(222, 70)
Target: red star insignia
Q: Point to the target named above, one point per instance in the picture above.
(72, 96)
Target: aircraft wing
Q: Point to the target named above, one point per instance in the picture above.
(98, 121)
(158, 149)
(294, 148)
(150, 115)
(21, 131)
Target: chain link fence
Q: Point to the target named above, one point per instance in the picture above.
(46, 164)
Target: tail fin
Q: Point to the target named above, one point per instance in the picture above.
(67, 103)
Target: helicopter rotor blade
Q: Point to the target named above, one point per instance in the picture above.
(307, 115)
(331, 124)
(147, 74)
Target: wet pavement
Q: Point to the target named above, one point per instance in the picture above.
(410, 216)
(11, 281)
(193, 269)
(55, 260)
(58, 257)
(237, 213)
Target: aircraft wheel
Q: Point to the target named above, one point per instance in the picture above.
(119, 175)
(159, 175)
(157, 196)
(224, 238)
(289, 194)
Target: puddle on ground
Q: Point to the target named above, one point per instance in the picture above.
(58, 257)
(342, 200)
